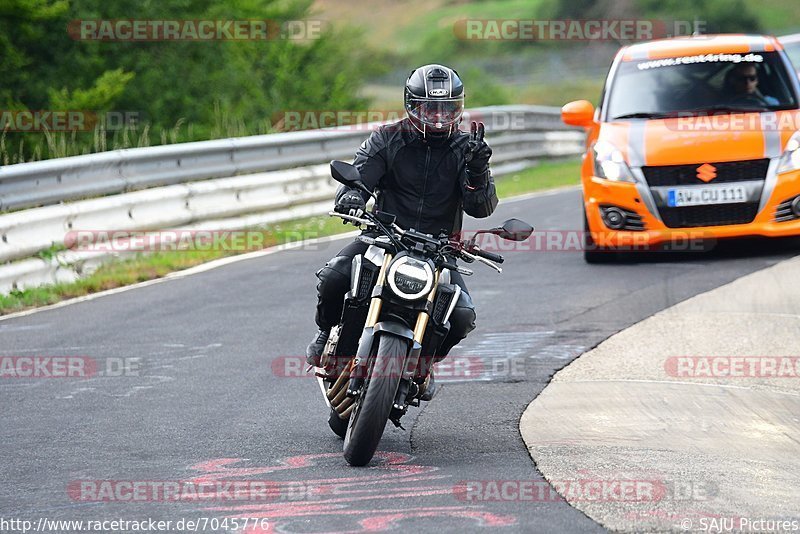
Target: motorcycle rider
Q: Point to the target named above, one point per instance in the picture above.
(427, 173)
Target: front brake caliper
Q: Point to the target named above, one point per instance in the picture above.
(357, 376)
(400, 399)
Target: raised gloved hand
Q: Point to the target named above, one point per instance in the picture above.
(350, 203)
(478, 152)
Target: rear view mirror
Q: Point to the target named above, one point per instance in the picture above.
(514, 230)
(578, 113)
(349, 176)
(346, 174)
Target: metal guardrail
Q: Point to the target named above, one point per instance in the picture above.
(48, 182)
(210, 184)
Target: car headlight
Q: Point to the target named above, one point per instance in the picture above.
(409, 278)
(609, 163)
(790, 160)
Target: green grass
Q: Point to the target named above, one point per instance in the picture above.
(157, 265)
(778, 16)
(401, 26)
(441, 20)
(144, 267)
(558, 94)
(544, 176)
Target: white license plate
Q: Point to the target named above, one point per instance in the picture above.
(702, 196)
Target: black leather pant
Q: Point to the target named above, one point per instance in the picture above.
(334, 282)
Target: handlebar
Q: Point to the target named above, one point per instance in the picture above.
(350, 218)
(481, 259)
(491, 256)
(456, 248)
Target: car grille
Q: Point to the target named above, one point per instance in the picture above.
(728, 171)
(713, 215)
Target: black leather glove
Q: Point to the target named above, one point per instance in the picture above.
(477, 156)
(351, 203)
(478, 152)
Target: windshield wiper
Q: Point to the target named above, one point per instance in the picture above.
(723, 108)
(727, 108)
(642, 115)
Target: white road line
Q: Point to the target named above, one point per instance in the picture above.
(242, 257)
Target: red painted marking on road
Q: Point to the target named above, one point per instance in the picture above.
(397, 494)
(217, 469)
(387, 521)
(339, 497)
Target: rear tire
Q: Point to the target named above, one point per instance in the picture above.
(371, 411)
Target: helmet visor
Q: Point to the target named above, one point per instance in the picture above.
(436, 113)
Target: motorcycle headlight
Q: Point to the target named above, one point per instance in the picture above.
(790, 160)
(609, 163)
(410, 279)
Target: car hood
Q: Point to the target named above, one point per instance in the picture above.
(722, 137)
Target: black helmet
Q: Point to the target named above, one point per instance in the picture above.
(434, 100)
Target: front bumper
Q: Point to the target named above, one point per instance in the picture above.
(600, 192)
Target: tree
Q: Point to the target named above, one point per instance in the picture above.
(202, 85)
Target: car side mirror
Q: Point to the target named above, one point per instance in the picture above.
(578, 113)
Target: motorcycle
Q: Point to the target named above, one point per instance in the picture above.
(378, 360)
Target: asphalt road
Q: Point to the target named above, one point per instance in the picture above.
(211, 400)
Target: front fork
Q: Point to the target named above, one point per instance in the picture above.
(359, 370)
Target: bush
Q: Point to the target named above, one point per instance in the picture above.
(180, 90)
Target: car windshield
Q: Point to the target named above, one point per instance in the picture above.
(719, 83)
(792, 50)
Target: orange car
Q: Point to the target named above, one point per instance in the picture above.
(694, 138)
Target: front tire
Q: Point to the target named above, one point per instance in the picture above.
(592, 253)
(371, 411)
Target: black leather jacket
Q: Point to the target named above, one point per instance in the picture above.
(425, 185)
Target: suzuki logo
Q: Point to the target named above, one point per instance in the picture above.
(706, 172)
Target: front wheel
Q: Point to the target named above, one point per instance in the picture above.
(592, 252)
(372, 408)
